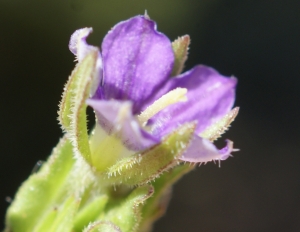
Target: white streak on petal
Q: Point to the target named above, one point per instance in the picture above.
(80, 48)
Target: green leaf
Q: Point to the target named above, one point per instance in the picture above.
(215, 131)
(42, 192)
(142, 168)
(102, 226)
(180, 48)
(126, 213)
(72, 112)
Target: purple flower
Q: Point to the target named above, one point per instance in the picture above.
(137, 101)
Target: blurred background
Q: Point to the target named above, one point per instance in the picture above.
(258, 41)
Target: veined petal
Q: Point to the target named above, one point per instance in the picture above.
(116, 118)
(210, 97)
(202, 150)
(137, 61)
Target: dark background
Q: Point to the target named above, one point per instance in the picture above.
(257, 41)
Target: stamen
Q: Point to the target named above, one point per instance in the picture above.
(122, 115)
(172, 97)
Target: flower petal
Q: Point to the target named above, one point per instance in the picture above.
(115, 117)
(202, 150)
(79, 47)
(137, 60)
(210, 97)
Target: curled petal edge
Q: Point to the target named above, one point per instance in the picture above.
(78, 45)
(80, 48)
(202, 150)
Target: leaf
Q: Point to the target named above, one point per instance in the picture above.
(142, 168)
(72, 112)
(180, 48)
(126, 213)
(215, 131)
(41, 191)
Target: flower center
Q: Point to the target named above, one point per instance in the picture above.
(106, 149)
(170, 98)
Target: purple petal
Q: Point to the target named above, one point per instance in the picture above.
(202, 150)
(137, 60)
(210, 96)
(115, 117)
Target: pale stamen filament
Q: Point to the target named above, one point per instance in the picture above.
(172, 97)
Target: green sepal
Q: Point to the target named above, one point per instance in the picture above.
(180, 49)
(215, 130)
(42, 192)
(126, 213)
(72, 109)
(156, 206)
(102, 226)
(142, 168)
(65, 218)
(90, 212)
(60, 218)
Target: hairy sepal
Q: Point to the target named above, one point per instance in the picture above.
(60, 218)
(90, 212)
(72, 109)
(180, 47)
(102, 226)
(215, 131)
(126, 213)
(142, 168)
(36, 203)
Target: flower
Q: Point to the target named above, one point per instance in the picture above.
(137, 102)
